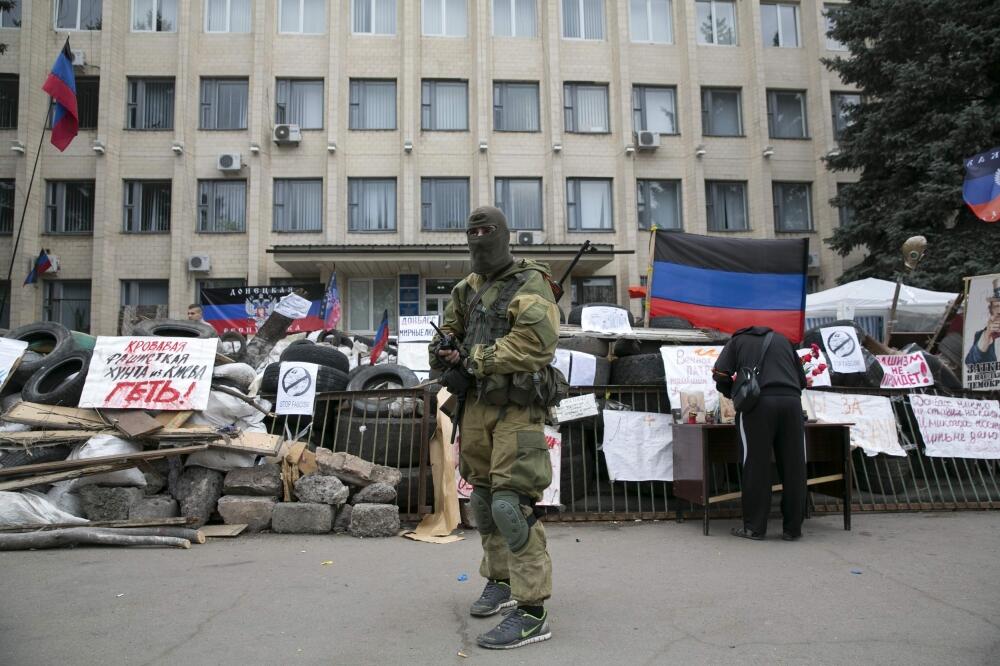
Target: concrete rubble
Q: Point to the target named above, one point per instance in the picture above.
(253, 511)
(374, 520)
(302, 518)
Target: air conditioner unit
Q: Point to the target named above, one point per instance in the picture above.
(230, 162)
(529, 238)
(287, 134)
(199, 263)
(647, 140)
(813, 261)
(79, 59)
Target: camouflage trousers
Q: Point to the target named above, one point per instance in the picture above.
(503, 448)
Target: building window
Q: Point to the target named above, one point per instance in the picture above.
(371, 204)
(78, 14)
(145, 292)
(583, 19)
(373, 105)
(654, 109)
(367, 299)
(585, 107)
(154, 15)
(88, 92)
(843, 106)
(444, 18)
(514, 18)
(812, 284)
(659, 202)
(8, 101)
(150, 104)
(222, 206)
(520, 199)
(69, 207)
(444, 203)
(299, 102)
(779, 24)
(515, 107)
(298, 205)
(302, 16)
(786, 114)
(147, 206)
(721, 112)
(828, 15)
(6, 207)
(792, 206)
(845, 214)
(716, 22)
(68, 302)
(588, 204)
(373, 17)
(593, 290)
(651, 21)
(224, 104)
(726, 202)
(227, 15)
(444, 105)
(11, 18)
(219, 283)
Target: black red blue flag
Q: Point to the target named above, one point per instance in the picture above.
(61, 87)
(981, 189)
(381, 338)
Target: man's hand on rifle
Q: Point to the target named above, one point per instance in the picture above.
(449, 356)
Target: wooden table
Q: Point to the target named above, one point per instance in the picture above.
(697, 447)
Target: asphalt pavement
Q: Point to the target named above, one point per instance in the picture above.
(898, 589)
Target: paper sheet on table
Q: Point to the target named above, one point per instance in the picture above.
(638, 446)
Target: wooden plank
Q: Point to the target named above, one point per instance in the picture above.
(260, 443)
(170, 420)
(52, 417)
(48, 437)
(130, 458)
(65, 475)
(777, 488)
(223, 531)
(151, 522)
(133, 422)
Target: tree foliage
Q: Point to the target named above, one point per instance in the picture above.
(930, 75)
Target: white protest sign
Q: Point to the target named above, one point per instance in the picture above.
(414, 355)
(10, 356)
(815, 367)
(578, 368)
(550, 497)
(638, 446)
(296, 388)
(981, 334)
(416, 328)
(293, 306)
(874, 424)
(575, 408)
(605, 320)
(905, 371)
(958, 427)
(562, 361)
(843, 349)
(689, 369)
(150, 373)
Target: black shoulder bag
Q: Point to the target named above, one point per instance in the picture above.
(746, 390)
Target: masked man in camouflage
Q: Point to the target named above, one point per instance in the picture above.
(502, 323)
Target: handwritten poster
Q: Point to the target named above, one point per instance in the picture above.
(639, 446)
(843, 349)
(905, 371)
(150, 373)
(873, 422)
(10, 355)
(689, 369)
(553, 439)
(416, 328)
(605, 320)
(958, 427)
(980, 369)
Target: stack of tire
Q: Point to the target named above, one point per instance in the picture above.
(331, 376)
(54, 367)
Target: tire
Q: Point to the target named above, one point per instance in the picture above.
(587, 345)
(325, 355)
(393, 443)
(602, 372)
(354, 372)
(670, 322)
(234, 336)
(33, 455)
(626, 348)
(59, 381)
(335, 337)
(950, 350)
(576, 474)
(327, 379)
(638, 370)
(577, 312)
(51, 340)
(881, 474)
(374, 377)
(174, 328)
(870, 378)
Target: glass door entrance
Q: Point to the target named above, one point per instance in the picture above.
(437, 293)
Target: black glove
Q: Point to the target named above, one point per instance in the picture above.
(457, 380)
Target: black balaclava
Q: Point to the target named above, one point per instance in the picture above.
(490, 253)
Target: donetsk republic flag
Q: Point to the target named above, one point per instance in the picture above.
(730, 283)
(981, 189)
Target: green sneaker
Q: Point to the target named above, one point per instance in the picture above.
(495, 596)
(517, 628)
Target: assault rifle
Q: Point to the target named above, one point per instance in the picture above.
(557, 287)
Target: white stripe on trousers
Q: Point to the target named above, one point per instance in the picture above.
(743, 438)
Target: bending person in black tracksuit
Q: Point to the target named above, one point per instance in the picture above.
(774, 424)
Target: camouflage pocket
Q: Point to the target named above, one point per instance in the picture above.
(495, 389)
(532, 472)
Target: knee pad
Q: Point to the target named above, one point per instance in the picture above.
(479, 502)
(509, 519)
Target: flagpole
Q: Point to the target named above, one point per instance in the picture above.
(649, 275)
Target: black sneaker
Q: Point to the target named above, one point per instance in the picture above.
(516, 629)
(791, 536)
(495, 596)
(746, 534)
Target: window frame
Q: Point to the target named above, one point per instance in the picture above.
(229, 20)
(444, 20)
(828, 23)
(138, 84)
(79, 12)
(360, 84)
(649, 23)
(210, 206)
(577, 285)
(582, 24)
(501, 194)
(845, 214)
(215, 81)
(14, 81)
(778, 206)
(570, 108)
(375, 317)
(642, 186)
(798, 25)
(639, 106)
(500, 89)
(427, 108)
(372, 33)
(302, 19)
(573, 195)
(274, 205)
(835, 107)
(8, 190)
(715, 37)
(58, 207)
(4, 14)
(353, 205)
(711, 203)
(426, 206)
(133, 286)
(283, 105)
(132, 188)
(48, 298)
(88, 81)
(772, 105)
(513, 21)
(158, 4)
(705, 108)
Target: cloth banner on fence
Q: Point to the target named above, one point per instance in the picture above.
(245, 309)
(843, 349)
(10, 356)
(638, 446)
(905, 371)
(958, 427)
(873, 421)
(150, 373)
(689, 369)
(980, 369)
(551, 495)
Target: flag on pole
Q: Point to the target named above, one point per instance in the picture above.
(981, 189)
(61, 87)
(331, 304)
(42, 264)
(730, 283)
(381, 337)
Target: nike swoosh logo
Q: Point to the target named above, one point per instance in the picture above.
(525, 634)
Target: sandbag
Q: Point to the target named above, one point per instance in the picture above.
(31, 508)
(221, 460)
(228, 410)
(107, 445)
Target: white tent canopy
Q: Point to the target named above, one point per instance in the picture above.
(874, 296)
